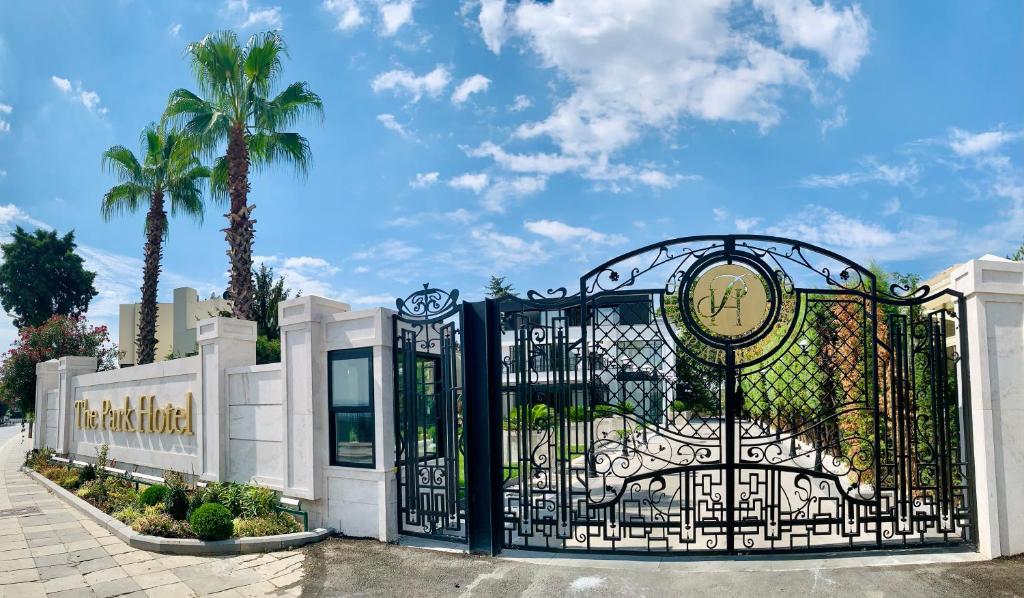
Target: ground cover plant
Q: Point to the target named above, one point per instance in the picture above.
(174, 509)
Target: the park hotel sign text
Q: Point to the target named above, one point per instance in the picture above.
(149, 418)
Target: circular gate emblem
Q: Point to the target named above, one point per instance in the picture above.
(729, 301)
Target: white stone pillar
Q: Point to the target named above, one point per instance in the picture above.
(223, 343)
(361, 501)
(304, 380)
(994, 292)
(67, 369)
(47, 380)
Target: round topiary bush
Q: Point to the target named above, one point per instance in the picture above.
(211, 522)
(153, 495)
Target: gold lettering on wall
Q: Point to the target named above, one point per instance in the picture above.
(149, 418)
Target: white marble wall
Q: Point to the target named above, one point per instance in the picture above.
(994, 291)
(255, 431)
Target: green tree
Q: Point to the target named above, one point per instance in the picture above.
(42, 276)
(168, 169)
(268, 293)
(57, 337)
(498, 288)
(235, 107)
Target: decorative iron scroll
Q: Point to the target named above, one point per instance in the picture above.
(428, 303)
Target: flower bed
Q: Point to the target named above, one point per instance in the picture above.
(174, 509)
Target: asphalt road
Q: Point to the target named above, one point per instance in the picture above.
(347, 567)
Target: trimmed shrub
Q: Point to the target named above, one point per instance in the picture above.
(212, 522)
(268, 525)
(70, 478)
(153, 495)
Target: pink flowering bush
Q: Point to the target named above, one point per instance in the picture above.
(57, 337)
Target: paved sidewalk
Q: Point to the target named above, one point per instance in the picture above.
(50, 549)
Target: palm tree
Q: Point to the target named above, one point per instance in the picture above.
(169, 168)
(236, 107)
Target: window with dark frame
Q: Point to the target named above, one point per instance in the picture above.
(350, 406)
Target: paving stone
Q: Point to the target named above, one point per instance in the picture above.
(99, 564)
(68, 582)
(115, 587)
(24, 590)
(55, 571)
(174, 590)
(155, 579)
(19, 576)
(73, 593)
(61, 558)
(15, 564)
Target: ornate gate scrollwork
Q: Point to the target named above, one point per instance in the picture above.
(704, 394)
(734, 394)
(429, 410)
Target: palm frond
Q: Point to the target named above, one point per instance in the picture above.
(215, 62)
(121, 162)
(262, 62)
(123, 198)
(219, 180)
(289, 148)
(288, 107)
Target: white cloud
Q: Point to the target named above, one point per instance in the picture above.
(6, 108)
(914, 237)
(540, 163)
(475, 84)
(460, 216)
(61, 83)
(264, 17)
(836, 121)
(714, 61)
(308, 274)
(424, 179)
(394, 15)
(520, 103)
(719, 214)
(5, 127)
(564, 233)
(492, 24)
(174, 30)
(891, 207)
(391, 251)
(346, 13)
(966, 144)
(89, 99)
(504, 190)
(841, 37)
(389, 122)
(506, 250)
(474, 182)
(432, 83)
(873, 172)
(744, 225)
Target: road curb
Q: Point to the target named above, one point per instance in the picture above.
(186, 546)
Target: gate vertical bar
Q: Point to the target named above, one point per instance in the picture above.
(966, 422)
(730, 449)
(481, 355)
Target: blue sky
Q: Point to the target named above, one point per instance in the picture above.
(535, 140)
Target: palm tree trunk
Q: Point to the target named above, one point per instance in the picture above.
(239, 233)
(156, 223)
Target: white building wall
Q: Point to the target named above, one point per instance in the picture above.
(255, 431)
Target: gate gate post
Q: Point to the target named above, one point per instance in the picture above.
(481, 361)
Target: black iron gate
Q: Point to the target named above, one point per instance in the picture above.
(725, 394)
